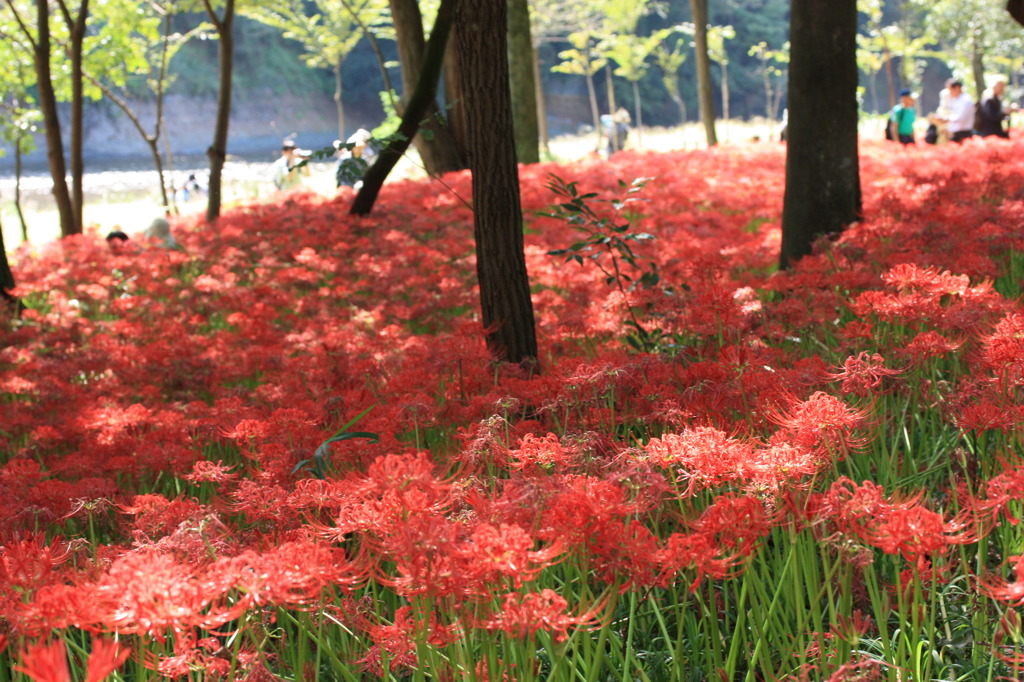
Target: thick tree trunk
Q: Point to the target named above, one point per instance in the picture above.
(1016, 10)
(7, 278)
(705, 96)
(823, 193)
(480, 34)
(439, 153)
(419, 102)
(522, 82)
(218, 150)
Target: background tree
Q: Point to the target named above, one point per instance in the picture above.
(584, 59)
(224, 23)
(770, 72)
(6, 276)
(328, 32)
(700, 46)
(480, 41)
(35, 39)
(717, 52)
(671, 59)
(822, 168)
(523, 82)
(437, 146)
(629, 50)
(141, 44)
(18, 116)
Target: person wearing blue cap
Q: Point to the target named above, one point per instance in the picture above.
(901, 119)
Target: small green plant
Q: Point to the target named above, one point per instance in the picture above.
(608, 244)
(320, 463)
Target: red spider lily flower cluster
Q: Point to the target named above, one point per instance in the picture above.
(160, 411)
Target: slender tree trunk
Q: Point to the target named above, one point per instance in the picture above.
(978, 68)
(699, 8)
(440, 153)
(594, 111)
(522, 81)
(51, 122)
(639, 115)
(418, 103)
(338, 104)
(888, 72)
(497, 216)
(77, 28)
(18, 163)
(542, 113)
(217, 153)
(725, 90)
(823, 193)
(609, 85)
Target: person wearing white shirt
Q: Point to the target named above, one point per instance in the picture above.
(961, 116)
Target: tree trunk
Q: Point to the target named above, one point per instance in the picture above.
(522, 81)
(505, 302)
(822, 169)
(419, 102)
(51, 121)
(542, 113)
(705, 96)
(978, 68)
(594, 111)
(218, 150)
(18, 163)
(76, 28)
(725, 91)
(6, 276)
(639, 115)
(1016, 10)
(338, 103)
(612, 108)
(439, 153)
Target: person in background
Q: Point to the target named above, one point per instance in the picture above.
(117, 241)
(618, 130)
(960, 122)
(937, 131)
(991, 113)
(160, 231)
(354, 158)
(902, 117)
(288, 171)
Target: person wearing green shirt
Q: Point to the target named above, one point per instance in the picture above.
(901, 118)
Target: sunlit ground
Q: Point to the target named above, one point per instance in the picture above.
(129, 200)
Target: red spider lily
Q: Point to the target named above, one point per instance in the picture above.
(398, 639)
(48, 662)
(522, 615)
(1011, 592)
(824, 424)
(535, 454)
(702, 457)
(863, 374)
(30, 562)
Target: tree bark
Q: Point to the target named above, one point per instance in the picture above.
(217, 153)
(705, 96)
(480, 36)
(440, 153)
(419, 102)
(18, 168)
(522, 82)
(542, 114)
(1016, 10)
(51, 120)
(76, 29)
(823, 193)
(6, 276)
(339, 105)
